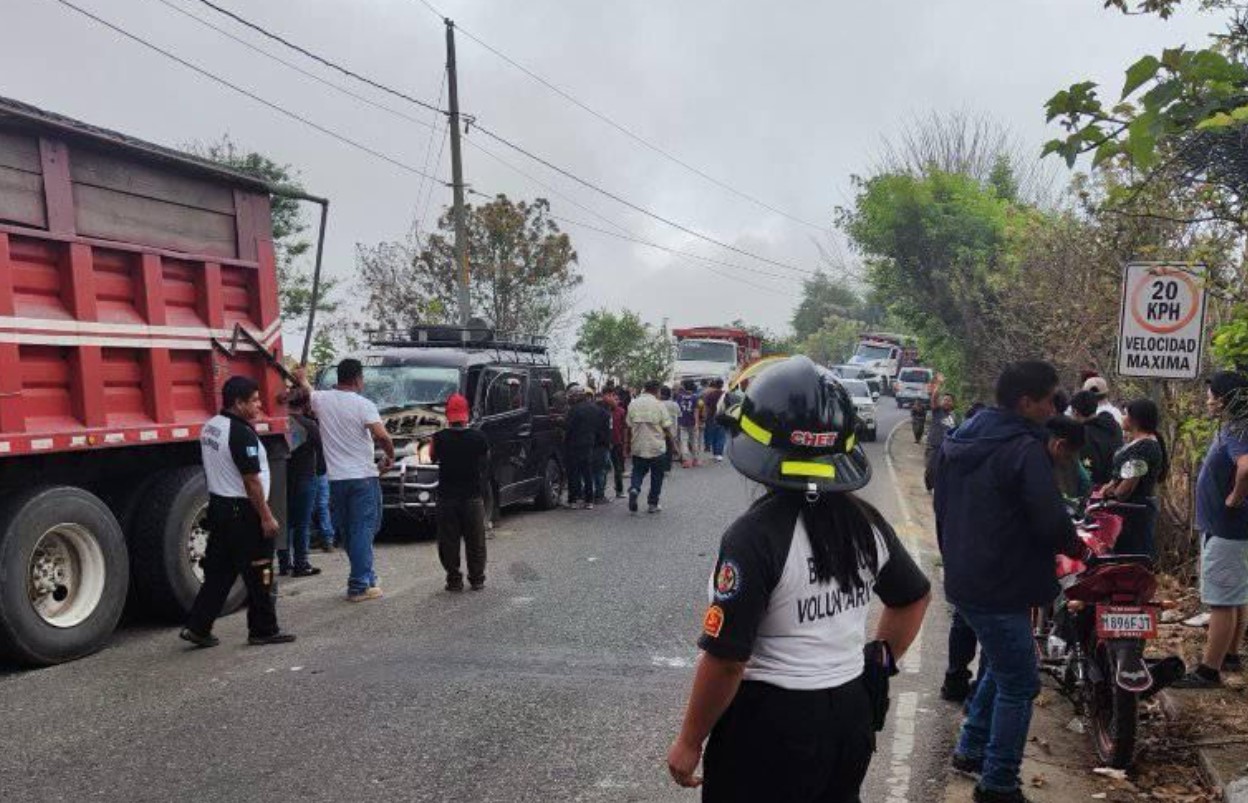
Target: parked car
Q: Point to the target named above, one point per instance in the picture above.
(875, 380)
(913, 385)
(864, 401)
(516, 397)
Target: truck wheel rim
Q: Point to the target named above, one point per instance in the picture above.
(197, 542)
(67, 574)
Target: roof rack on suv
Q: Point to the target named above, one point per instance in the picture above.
(505, 345)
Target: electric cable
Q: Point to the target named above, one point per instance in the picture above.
(626, 131)
(258, 99)
(327, 62)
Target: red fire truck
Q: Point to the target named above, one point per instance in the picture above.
(133, 281)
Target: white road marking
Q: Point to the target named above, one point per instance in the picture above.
(670, 663)
(902, 748)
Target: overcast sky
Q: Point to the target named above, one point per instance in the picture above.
(783, 101)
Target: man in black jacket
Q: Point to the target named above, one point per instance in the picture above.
(580, 434)
(1102, 436)
(1000, 520)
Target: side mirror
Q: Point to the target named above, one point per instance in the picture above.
(875, 395)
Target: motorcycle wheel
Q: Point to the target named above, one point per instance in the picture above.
(1115, 719)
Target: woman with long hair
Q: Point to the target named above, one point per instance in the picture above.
(1139, 466)
(787, 688)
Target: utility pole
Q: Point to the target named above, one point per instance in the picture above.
(457, 181)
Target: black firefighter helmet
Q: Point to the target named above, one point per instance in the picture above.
(796, 430)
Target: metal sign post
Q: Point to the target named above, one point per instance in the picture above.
(1161, 330)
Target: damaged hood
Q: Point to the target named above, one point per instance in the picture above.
(415, 422)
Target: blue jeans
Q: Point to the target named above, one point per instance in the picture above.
(715, 436)
(357, 511)
(300, 497)
(320, 511)
(642, 466)
(999, 715)
(600, 466)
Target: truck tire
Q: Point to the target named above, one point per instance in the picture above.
(64, 572)
(167, 543)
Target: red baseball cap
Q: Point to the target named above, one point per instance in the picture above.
(457, 409)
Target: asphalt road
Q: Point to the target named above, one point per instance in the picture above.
(564, 680)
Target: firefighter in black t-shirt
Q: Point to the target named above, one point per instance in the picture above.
(787, 689)
(463, 456)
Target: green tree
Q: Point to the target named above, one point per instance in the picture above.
(822, 297)
(833, 342)
(621, 346)
(522, 267)
(294, 279)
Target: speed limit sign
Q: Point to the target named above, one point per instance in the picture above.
(1162, 325)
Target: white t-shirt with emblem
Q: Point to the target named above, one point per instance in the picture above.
(230, 449)
(768, 608)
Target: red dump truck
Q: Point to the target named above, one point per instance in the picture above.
(133, 281)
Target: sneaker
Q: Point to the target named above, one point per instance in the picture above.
(198, 640)
(327, 547)
(305, 571)
(284, 571)
(273, 638)
(587, 506)
(654, 509)
(367, 594)
(1233, 663)
(632, 502)
(1199, 620)
(454, 586)
(719, 458)
(1198, 679)
(956, 687)
(966, 765)
(989, 796)
(477, 586)
(602, 500)
(619, 494)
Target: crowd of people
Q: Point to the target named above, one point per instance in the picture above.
(654, 428)
(333, 481)
(788, 694)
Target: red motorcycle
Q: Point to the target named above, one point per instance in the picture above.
(1092, 641)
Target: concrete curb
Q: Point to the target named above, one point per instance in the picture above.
(1234, 789)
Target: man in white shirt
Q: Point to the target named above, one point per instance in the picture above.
(653, 429)
(350, 426)
(1098, 387)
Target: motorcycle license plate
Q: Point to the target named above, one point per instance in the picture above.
(1116, 621)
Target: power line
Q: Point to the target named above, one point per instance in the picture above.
(672, 251)
(635, 207)
(421, 188)
(503, 140)
(190, 66)
(297, 68)
(332, 65)
(627, 131)
(626, 234)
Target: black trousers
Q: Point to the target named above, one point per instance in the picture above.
(787, 746)
(236, 546)
(462, 519)
(962, 645)
(580, 475)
